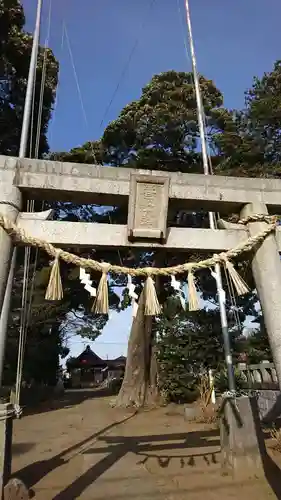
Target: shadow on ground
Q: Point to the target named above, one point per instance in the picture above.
(272, 475)
(145, 447)
(271, 471)
(33, 473)
(160, 448)
(71, 397)
(20, 448)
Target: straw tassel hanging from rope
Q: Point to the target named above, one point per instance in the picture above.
(55, 290)
(240, 286)
(101, 303)
(152, 306)
(193, 301)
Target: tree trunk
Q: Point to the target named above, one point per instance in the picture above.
(139, 386)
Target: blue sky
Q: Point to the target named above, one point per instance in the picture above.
(234, 41)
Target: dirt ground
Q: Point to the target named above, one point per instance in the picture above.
(80, 447)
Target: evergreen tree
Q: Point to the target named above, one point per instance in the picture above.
(15, 52)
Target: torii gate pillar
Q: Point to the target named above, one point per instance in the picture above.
(266, 266)
(10, 205)
(242, 443)
(10, 201)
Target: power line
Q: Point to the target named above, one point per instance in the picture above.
(88, 341)
(78, 87)
(43, 82)
(52, 124)
(183, 32)
(127, 63)
(210, 166)
(119, 82)
(212, 218)
(30, 204)
(75, 74)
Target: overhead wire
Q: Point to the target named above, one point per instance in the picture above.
(22, 328)
(54, 114)
(127, 64)
(30, 208)
(32, 119)
(37, 145)
(25, 311)
(79, 91)
(97, 343)
(78, 86)
(25, 308)
(233, 301)
(230, 287)
(75, 74)
(43, 82)
(120, 80)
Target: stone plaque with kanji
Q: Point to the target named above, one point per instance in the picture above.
(148, 207)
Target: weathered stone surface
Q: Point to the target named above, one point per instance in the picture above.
(10, 204)
(267, 274)
(6, 430)
(108, 185)
(45, 215)
(191, 412)
(242, 443)
(67, 234)
(148, 207)
(15, 489)
(269, 404)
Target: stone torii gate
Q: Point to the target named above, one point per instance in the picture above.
(148, 194)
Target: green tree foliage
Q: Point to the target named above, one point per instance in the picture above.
(50, 324)
(45, 337)
(256, 345)
(248, 143)
(160, 131)
(15, 52)
(263, 102)
(157, 131)
(90, 152)
(189, 343)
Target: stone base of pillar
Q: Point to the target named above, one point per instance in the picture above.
(242, 442)
(6, 430)
(15, 489)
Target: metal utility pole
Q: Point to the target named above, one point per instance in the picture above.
(30, 83)
(217, 274)
(22, 153)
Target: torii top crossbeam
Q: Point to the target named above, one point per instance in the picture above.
(97, 184)
(49, 180)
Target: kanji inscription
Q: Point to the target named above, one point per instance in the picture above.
(148, 205)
